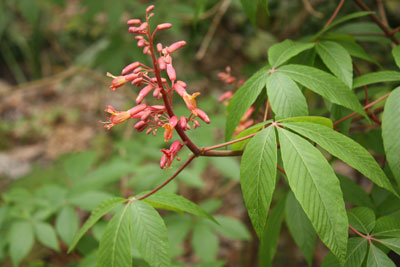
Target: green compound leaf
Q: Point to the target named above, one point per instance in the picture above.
(396, 55)
(362, 219)
(21, 239)
(378, 258)
(345, 149)
(285, 96)
(324, 84)
(281, 52)
(300, 228)
(115, 249)
(46, 235)
(243, 99)
(102, 209)
(149, 234)
(312, 119)
(258, 176)
(170, 201)
(253, 129)
(390, 132)
(376, 77)
(317, 190)
(337, 59)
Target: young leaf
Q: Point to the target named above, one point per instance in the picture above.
(46, 235)
(345, 149)
(312, 119)
(396, 55)
(205, 243)
(67, 224)
(362, 219)
(243, 99)
(392, 243)
(149, 234)
(115, 249)
(258, 176)
(21, 240)
(253, 129)
(376, 77)
(231, 228)
(317, 189)
(269, 240)
(285, 96)
(356, 251)
(281, 52)
(377, 257)
(300, 228)
(170, 201)
(324, 84)
(338, 61)
(103, 208)
(390, 132)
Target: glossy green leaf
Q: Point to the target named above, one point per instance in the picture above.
(378, 258)
(387, 226)
(376, 77)
(396, 55)
(115, 249)
(312, 119)
(103, 208)
(258, 176)
(324, 84)
(390, 132)
(317, 189)
(243, 99)
(21, 239)
(67, 224)
(362, 219)
(345, 149)
(392, 243)
(285, 96)
(337, 59)
(353, 193)
(204, 242)
(253, 129)
(149, 234)
(46, 235)
(170, 201)
(300, 228)
(269, 240)
(356, 251)
(232, 228)
(281, 52)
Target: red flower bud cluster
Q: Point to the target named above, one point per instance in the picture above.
(149, 82)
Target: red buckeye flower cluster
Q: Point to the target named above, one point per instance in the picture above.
(149, 81)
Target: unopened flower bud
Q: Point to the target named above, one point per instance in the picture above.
(142, 27)
(130, 67)
(159, 47)
(149, 131)
(181, 83)
(175, 46)
(171, 72)
(143, 93)
(202, 115)
(173, 121)
(137, 109)
(196, 124)
(132, 22)
(137, 81)
(164, 26)
(156, 92)
(141, 43)
(149, 9)
(161, 63)
(179, 89)
(183, 122)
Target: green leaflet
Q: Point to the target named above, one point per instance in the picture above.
(362, 219)
(377, 258)
(281, 52)
(390, 132)
(356, 251)
(170, 201)
(345, 149)
(355, 50)
(353, 193)
(392, 243)
(149, 234)
(387, 226)
(21, 240)
(337, 59)
(300, 228)
(258, 176)
(324, 84)
(285, 96)
(67, 224)
(376, 77)
(204, 242)
(103, 208)
(317, 189)
(115, 249)
(46, 235)
(232, 228)
(396, 55)
(243, 99)
(312, 119)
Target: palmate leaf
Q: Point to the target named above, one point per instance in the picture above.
(345, 149)
(281, 52)
(390, 132)
(115, 249)
(317, 190)
(258, 176)
(323, 84)
(378, 258)
(149, 234)
(362, 219)
(285, 96)
(337, 59)
(103, 208)
(243, 99)
(300, 228)
(376, 77)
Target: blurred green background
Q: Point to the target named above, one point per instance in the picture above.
(57, 162)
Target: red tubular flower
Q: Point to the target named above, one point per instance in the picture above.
(179, 89)
(161, 63)
(170, 154)
(202, 115)
(121, 116)
(145, 91)
(130, 67)
(171, 72)
(190, 101)
(169, 128)
(183, 122)
(164, 26)
(175, 46)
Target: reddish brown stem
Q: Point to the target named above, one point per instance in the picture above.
(205, 149)
(169, 179)
(334, 13)
(386, 30)
(357, 232)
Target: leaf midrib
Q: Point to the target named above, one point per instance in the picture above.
(116, 235)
